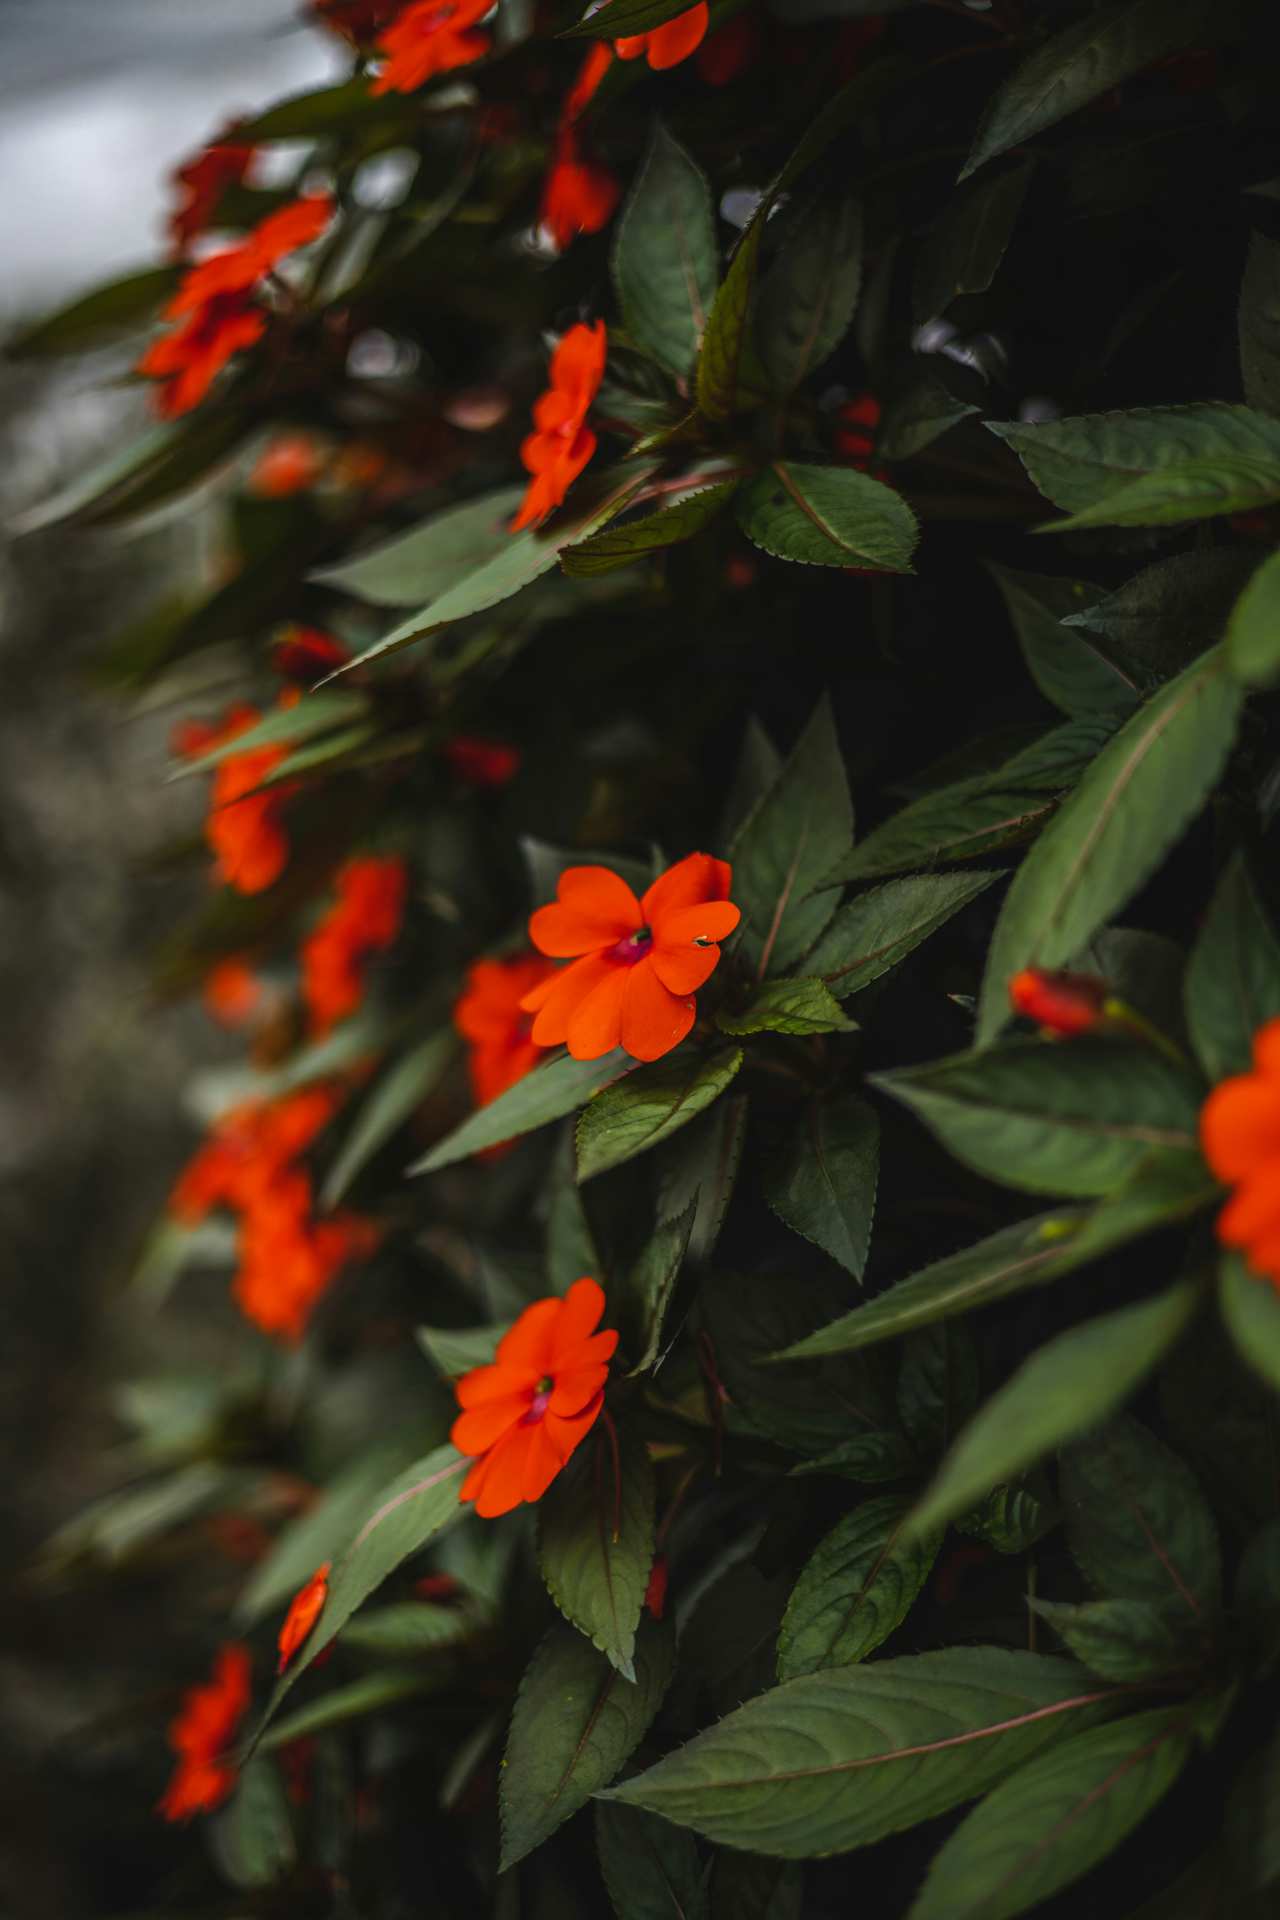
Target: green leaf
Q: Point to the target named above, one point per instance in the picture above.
(394, 1097)
(1013, 1518)
(879, 1454)
(1085, 61)
(938, 1385)
(1157, 623)
(651, 1869)
(860, 1583)
(410, 1627)
(149, 471)
(702, 1167)
(962, 252)
(881, 927)
(808, 297)
(576, 1722)
(252, 1837)
(788, 845)
(788, 1006)
(1049, 1118)
(1067, 666)
(1134, 802)
(719, 370)
(1233, 977)
(425, 562)
(977, 816)
(746, 1887)
(629, 540)
(917, 416)
(823, 1186)
(595, 1542)
(571, 1246)
(665, 263)
(1138, 1523)
(120, 306)
(1260, 324)
(1129, 1641)
(371, 1693)
(409, 1512)
(1090, 464)
(630, 17)
(314, 713)
(1066, 1386)
(636, 1115)
(647, 1289)
(548, 1093)
(838, 1759)
(1055, 1819)
(1253, 631)
(320, 1532)
(1251, 1309)
(323, 110)
(828, 517)
(456, 1350)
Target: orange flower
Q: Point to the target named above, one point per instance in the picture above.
(1060, 1002)
(636, 963)
(669, 44)
(577, 195)
(482, 763)
(248, 1151)
(1240, 1136)
(202, 181)
(430, 37)
(729, 51)
(524, 1415)
(365, 916)
(855, 437)
(490, 1017)
(304, 1610)
(244, 827)
(592, 71)
(561, 444)
(289, 464)
(201, 1734)
(232, 993)
(306, 654)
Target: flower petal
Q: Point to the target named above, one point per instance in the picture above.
(483, 1384)
(697, 878)
(676, 39)
(1266, 1048)
(654, 1020)
(565, 1431)
(558, 999)
(595, 1026)
(574, 1387)
(542, 1463)
(684, 969)
(578, 362)
(1240, 1126)
(530, 1343)
(498, 1485)
(594, 908)
(482, 1427)
(707, 920)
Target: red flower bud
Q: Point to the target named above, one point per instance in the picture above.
(1059, 1002)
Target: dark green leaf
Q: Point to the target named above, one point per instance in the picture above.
(252, 1837)
(1157, 623)
(1251, 1309)
(839, 1759)
(1253, 631)
(166, 461)
(647, 1290)
(631, 17)
(408, 1628)
(118, 307)
(653, 1103)
(759, 764)
(1133, 803)
(938, 1386)
(828, 517)
(371, 1693)
(665, 263)
(1260, 324)
(323, 110)
(651, 1869)
(1128, 1641)
(425, 562)
(823, 1185)
(1012, 1518)
(320, 1532)
(576, 1722)
(393, 1098)
(788, 1006)
(1055, 1819)
(860, 1583)
(1064, 662)
(879, 1454)
(962, 252)
(548, 1093)
(916, 417)
(1066, 1386)
(746, 1887)
(1233, 978)
(1139, 1524)
(315, 713)
(808, 297)
(595, 1541)
(702, 1166)
(882, 926)
(720, 360)
(629, 540)
(456, 1350)
(571, 1246)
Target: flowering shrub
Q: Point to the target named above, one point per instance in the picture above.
(680, 1472)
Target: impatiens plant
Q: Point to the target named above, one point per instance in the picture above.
(738, 707)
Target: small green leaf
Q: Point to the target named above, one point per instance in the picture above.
(1134, 802)
(1129, 1641)
(1253, 631)
(788, 1006)
(371, 1693)
(548, 1093)
(252, 1837)
(651, 1104)
(719, 371)
(807, 298)
(121, 306)
(1260, 324)
(1066, 1386)
(651, 1869)
(647, 1290)
(410, 1627)
(665, 264)
(576, 1722)
(1233, 977)
(1012, 1519)
(456, 1350)
(823, 1186)
(881, 927)
(816, 1766)
(860, 1583)
(595, 1542)
(963, 250)
(1251, 1309)
(394, 1097)
(1065, 663)
(1055, 1819)
(1138, 1523)
(828, 517)
(630, 540)
(917, 416)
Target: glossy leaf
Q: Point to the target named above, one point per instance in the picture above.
(665, 264)
(879, 928)
(807, 298)
(823, 1186)
(938, 1385)
(316, 713)
(860, 1583)
(595, 1542)
(828, 517)
(1138, 1522)
(917, 416)
(799, 1006)
(651, 1105)
(548, 1093)
(1233, 978)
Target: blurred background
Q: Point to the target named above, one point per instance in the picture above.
(99, 100)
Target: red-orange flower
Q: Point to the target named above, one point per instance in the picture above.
(669, 44)
(201, 183)
(244, 828)
(598, 60)
(365, 917)
(562, 443)
(430, 37)
(524, 1415)
(1061, 1002)
(357, 20)
(1240, 1136)
(232, 993)
(308, 653)
(201, 1735)
(655, 1594)
(636, 963)
(855, 436)
(490, 1016)
(304, 1610)
(482, 763)
(578, 196)
(290, 463)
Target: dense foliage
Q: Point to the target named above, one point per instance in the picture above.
(691, 872)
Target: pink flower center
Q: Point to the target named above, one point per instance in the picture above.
(540, 1402)
(634, 947)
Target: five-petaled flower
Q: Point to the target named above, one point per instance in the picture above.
(304, 1610)
(1240, 1135)
(669, 44)
(562, 443)
(491, 1018)
(1065, 1003)
(201, 1734)
(365, 917)
(244, 827)
(524, 1415)
(430, 37)
(636, 963)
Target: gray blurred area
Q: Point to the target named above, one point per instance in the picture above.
(98, 100)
